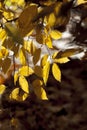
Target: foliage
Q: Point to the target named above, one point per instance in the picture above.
(25, 28)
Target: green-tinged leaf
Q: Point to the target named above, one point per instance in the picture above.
(44, 60)
(13, 32)
(56, 72)
(62, 60)
(25, 71)
(22, 56)
(6, 65)
(24, 84)
(36, 55)
(2, 88)
(38, 71)
(25, 19)
(16, 77)
(46, 70)
(55, 34)
(39, 90)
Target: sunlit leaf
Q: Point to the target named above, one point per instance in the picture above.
(51, 19)
(2, 35)
(30, 47)
(55, 54)
(81, 1)
(39, 90)
(8, 15)
(15, 94)
(46, 70)
(48, 41)
(38, 71)
(25, 71)
(3, 52)
(44, 60)
(24, 84)
(56, 72)
(2, 88)
(22, 56)
(36, 55)
(13, 32)
(55, 34)
(16, 77)
(62, 60)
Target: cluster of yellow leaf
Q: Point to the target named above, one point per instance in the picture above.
(20, 21)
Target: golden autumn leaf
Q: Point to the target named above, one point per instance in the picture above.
(14, 32)
(48, 41)
(24, 84)
(25, 71)
(39, 90)
(56, 72)
(36, 55)
(3, 35)
(55, 34)
(62, 60)
(3, 52)
(30, 47)
(46, 70)
(44, 60)
(16, 77)
(22, 56)
(51, 19)
(2, 88)
(15, 94)
(81, 2)
(8, 15)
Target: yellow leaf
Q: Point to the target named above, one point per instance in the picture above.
(8, 15)
(38, 71)
(44, 60)
(22, 56)
(36, 55)
(13, 32)
(48, 41)
(81, 2)
(46, 70)
(56, 72)
(3, 52)
(62, 60)
(55, 54)
(16, 77)
(15, 94)
(30, 47)
(55, 34)
(26, 71)
(2, 35)
(24, 84)
(2, 88)
(39, 90)
(51, 19)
